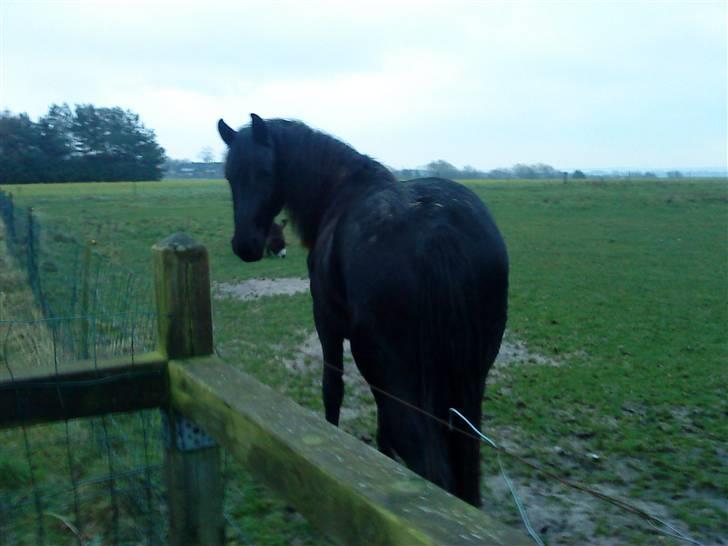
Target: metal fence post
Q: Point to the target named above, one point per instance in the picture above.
(192, 460)
(85, 295)
(11, 216)
(31, 259)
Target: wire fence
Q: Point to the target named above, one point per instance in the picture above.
(87, 481)
(80, 481)
(83, 481)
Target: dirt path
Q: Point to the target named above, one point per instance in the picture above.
(256, 288)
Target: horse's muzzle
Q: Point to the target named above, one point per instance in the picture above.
(250, 250)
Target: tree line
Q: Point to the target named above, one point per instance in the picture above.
(89, 143)
(86, 143)
(443, 169)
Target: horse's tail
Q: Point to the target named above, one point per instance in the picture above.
(461, 328)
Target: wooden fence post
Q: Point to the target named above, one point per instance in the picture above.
(192, 473)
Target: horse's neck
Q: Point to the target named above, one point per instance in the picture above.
(314, 179)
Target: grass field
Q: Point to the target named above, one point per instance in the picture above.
(622, 287)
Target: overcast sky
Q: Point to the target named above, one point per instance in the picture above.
(572, 84)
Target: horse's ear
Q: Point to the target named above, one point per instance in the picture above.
(227, 133)
(260, 130)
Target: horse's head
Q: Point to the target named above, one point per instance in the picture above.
(255, 190)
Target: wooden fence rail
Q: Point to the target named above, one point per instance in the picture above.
(349, 491)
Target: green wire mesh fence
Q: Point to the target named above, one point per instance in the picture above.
(81, 481)
(96, 480)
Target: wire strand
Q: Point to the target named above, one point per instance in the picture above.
(516, 499)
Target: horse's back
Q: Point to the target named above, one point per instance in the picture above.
(408, 254)
(390, 235)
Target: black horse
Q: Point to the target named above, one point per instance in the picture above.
(414, 274)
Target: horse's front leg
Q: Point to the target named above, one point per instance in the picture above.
(333, 376)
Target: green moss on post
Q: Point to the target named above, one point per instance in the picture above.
(182, 285)
(193, 478)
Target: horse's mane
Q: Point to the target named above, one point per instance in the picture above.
(317, 167)
(320, 151)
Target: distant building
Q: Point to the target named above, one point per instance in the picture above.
(176, 169)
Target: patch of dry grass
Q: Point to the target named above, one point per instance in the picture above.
(25, 341)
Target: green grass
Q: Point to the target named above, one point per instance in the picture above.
(625, 284)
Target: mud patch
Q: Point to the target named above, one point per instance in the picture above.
(358, 411)
(256, 288)
(308, 358)
(512, 351)
(563, 516)
(515, 351)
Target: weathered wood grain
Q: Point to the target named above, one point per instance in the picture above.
(83, 389)
(184, 318)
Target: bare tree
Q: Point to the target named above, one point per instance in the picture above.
(206, 155)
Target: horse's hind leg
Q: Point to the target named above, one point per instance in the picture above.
(423, 446)
(465, 453)
(333, 376)
(364, 352)
(401, 427)
(384, 442)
